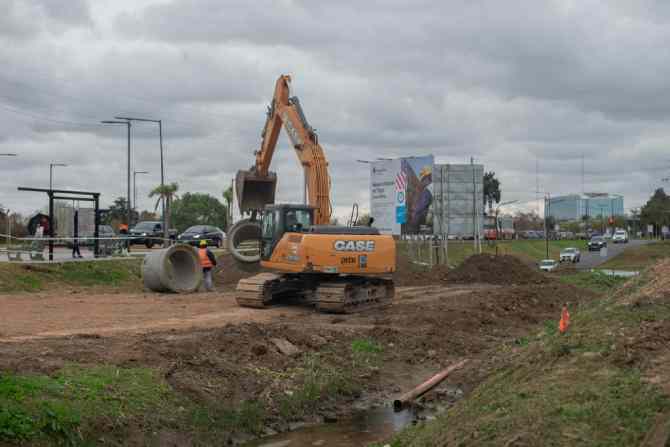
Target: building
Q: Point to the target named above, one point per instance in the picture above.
(592, 205)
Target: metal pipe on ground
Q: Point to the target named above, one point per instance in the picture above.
(174, 269)
(403, 400)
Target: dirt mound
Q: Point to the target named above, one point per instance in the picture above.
(502, 270)
(229, 272)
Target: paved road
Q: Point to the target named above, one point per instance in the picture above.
(593, 259)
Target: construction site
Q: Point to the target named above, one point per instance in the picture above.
(419, 316)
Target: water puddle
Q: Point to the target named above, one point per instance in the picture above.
(361, 429)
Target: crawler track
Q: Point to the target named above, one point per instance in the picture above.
(338, 295)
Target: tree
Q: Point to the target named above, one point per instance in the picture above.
(491, 190)
(656, 211)
(168, 193)
(198, 209)
(117, 212)
(228, 198)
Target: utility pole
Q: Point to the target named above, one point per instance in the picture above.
(160, 137)
(51, 173)
(475, 234)
(129, 204)
(546, 226)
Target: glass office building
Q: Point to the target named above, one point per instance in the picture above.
(593, 205)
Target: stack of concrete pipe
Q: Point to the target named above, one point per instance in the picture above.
(174, 269)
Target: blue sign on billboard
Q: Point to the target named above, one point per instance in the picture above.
(401, 214)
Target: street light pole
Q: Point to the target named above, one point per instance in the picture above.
(51, 173)
(160, 136)
(129, 204)
(135, 186)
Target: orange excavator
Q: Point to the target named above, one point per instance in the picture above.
(339, 269)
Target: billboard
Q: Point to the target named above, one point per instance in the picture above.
(401, 195)
(384, 196)
(458, 207)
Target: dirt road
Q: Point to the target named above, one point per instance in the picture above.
(27, 317)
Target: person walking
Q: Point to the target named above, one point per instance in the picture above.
(207, 262)
(75, 240)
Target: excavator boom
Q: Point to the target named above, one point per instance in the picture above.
(256, 187)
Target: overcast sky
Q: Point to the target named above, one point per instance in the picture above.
(543, 82)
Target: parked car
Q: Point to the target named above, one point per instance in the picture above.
(193, 235)
(548, 265)
(148, 233)
(570, 254)
(620, 236)
(596, 243)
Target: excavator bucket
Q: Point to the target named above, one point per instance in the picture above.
(255, 191)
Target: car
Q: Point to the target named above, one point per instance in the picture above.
(620, 236)
(596, 243)
(570, 254)
(148, 233)
(548, 265)
(193, 235)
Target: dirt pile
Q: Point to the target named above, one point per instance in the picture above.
(501, 270)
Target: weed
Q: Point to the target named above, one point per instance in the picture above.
(366, 346)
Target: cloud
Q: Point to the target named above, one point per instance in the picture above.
(513, 86)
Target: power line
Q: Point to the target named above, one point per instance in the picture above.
(47, 119)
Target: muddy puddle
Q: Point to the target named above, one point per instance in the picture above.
(361, 429)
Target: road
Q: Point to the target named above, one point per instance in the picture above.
(593, 259)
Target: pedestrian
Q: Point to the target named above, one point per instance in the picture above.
(75, 240)
(207, 262)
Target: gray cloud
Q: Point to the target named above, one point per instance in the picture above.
(547, 81)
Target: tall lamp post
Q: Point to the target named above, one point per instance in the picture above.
(135, 186)
(160, 136)
(51, 173)
(129, 204)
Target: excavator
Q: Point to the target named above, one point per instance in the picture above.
(338, 269)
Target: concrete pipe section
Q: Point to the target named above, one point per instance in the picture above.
(243, 241)
(174, 269)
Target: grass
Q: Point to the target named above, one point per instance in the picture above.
(561, 389)
(529, 250)
(65, 407)
(596, 281)
(638, 258)
(38, 277)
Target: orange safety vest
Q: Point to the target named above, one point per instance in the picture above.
(204, 259)
(564, 323)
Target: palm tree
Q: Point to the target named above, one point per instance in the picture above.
(228, 197)
(167, 193)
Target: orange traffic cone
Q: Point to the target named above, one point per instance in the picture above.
(565, 320)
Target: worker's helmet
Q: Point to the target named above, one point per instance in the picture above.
(203, 243)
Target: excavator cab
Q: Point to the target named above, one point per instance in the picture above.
(280, 219)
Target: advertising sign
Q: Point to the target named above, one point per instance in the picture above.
(417, 176)
(386, 200)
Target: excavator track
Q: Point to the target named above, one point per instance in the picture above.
(258, 290)
(342, 295)
(354, 296)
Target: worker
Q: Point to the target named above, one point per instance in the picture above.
(207, 262)
(75, 240)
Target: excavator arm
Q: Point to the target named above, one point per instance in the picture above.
(256, 187)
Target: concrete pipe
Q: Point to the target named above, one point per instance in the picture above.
(243, 241)
(174, 269)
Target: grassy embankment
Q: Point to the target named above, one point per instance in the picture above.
(85, 405)
(529, 250)
(122, 274)
(591, 386)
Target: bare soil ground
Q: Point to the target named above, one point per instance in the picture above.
(207, 347)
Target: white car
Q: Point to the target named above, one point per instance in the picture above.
(570, 254)
(620, 236)
(548, 265)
